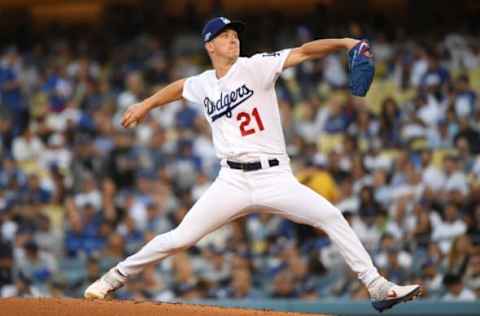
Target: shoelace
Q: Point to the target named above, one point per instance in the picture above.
(114, 282)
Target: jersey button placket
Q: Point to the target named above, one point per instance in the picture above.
(221, 121)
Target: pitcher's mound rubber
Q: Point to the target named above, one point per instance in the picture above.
(79, 307)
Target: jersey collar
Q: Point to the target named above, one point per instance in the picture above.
(229, 72)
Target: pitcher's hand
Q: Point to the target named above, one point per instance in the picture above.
(135, 114)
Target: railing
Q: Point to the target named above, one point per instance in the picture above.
(357, 308)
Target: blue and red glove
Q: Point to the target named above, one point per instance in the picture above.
(361, 69)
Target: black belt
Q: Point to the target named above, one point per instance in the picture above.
(251, 166)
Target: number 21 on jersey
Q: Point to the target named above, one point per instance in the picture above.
(245, 119)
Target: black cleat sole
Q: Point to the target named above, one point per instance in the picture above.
(387, 304)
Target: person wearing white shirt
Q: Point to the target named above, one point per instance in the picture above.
(457, 292)
(90, 194)
(27, 147)
(432, 177)
(445, 231)
(419, 68)
(389, 246)
(456, 179)
(56, 153)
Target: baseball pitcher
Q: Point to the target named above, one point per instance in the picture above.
(239, 102)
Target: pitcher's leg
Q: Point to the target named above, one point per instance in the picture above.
(219, 205)
(301, 204)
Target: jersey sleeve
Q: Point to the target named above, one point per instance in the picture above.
(269, 66)
(192, 90)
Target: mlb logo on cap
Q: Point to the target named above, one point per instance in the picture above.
(217, 25)
(225, 20)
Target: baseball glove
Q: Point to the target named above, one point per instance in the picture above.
(361, 69)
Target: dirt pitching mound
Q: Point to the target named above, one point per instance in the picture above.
(78, 307)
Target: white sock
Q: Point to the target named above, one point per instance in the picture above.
(369, 276)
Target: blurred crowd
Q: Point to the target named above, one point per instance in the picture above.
(78, 193)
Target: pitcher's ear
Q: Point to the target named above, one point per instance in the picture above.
(209, 47)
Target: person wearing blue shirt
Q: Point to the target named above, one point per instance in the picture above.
(10, 91)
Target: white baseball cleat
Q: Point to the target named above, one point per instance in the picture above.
(108, 283)
(385, 294)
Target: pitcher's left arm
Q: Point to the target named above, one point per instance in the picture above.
(317, 49)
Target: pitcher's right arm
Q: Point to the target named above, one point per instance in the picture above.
(136, 113)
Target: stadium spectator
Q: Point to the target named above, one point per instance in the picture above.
(457, 292)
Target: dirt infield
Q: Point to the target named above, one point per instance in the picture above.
(77, 307)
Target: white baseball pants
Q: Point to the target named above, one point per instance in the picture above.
(234, 194)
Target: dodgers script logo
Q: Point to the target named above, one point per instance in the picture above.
(227, 102)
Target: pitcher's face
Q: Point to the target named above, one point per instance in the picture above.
(225, 44)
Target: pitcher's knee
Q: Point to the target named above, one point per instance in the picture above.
(332, 214)
(178, 241)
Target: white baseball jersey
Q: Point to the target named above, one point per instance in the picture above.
(242, 106)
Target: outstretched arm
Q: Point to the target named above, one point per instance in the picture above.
(137, 112)
(317, 49)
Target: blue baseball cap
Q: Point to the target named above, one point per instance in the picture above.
(216, 25)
